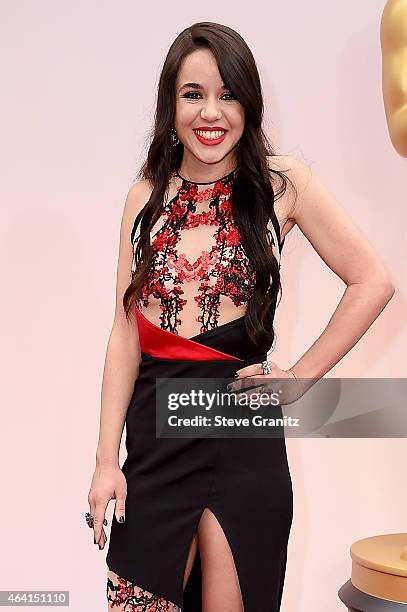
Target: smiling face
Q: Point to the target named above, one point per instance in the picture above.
(209, 120)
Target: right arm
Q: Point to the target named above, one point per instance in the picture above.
(120, 373)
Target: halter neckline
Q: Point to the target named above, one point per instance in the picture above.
(223, 178)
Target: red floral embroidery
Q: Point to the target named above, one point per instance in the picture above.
(223, 270)
(130, 598)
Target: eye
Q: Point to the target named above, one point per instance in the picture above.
(190, 94)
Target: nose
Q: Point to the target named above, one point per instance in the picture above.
(211, 110)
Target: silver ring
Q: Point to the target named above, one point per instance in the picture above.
(266, 365)
(89, 519)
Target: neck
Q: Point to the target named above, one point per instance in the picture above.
(205, 173)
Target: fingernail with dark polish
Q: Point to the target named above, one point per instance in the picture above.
(94, 540)
(236, 375)
(121, 519)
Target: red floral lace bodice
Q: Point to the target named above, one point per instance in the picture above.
(200, 276)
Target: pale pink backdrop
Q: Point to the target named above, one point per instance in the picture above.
(78, 88)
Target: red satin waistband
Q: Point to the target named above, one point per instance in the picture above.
(159, 342)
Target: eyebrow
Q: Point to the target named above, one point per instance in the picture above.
(196, 86)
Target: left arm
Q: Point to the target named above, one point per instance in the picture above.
(351, 256)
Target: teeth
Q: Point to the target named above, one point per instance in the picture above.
(210, 135)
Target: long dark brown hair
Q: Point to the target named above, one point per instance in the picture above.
(255, 187)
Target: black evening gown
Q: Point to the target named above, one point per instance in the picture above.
(245, 482)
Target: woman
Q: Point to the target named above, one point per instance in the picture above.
(202, 523)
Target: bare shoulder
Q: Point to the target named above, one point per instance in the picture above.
(138, 195)
(298, 174)
(297, 170)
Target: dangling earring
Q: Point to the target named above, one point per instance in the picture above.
(174, 137)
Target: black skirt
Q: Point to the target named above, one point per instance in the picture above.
(245, 482)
